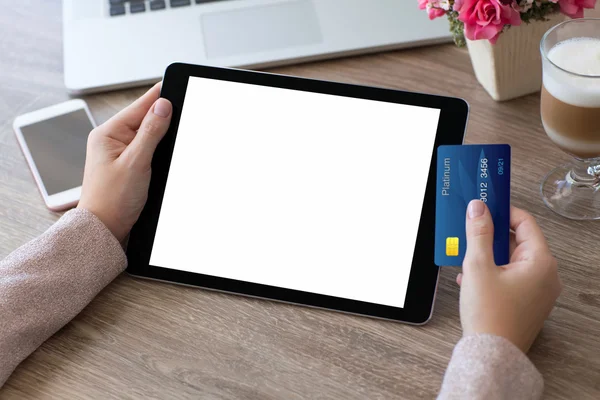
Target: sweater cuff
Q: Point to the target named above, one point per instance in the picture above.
(96, 231)
(486, 366)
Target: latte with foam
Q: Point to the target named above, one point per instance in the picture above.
(571, 97)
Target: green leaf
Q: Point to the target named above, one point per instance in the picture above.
(457, 28)
(540, 12)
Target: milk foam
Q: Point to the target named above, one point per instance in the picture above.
(580, 56)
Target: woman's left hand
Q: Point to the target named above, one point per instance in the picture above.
(119, 156)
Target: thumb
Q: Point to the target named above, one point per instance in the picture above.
(480, 237)
(152, 129)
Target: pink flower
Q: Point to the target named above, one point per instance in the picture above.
(485, 19)
(574, 8)
(435, 8)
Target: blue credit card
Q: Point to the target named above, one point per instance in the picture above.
(465, 173)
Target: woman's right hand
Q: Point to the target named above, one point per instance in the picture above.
(513, 300)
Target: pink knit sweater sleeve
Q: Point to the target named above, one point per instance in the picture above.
(490, 367)
(48, 281)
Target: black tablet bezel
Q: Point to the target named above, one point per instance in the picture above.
(424, 273)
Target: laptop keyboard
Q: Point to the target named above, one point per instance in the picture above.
(123, 7)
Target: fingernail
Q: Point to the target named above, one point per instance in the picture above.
(162, 108)
(476, 209)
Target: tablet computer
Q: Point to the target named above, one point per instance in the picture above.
(303, 191)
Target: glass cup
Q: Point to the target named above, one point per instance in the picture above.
(570, 108)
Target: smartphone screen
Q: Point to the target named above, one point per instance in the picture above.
(58, 146)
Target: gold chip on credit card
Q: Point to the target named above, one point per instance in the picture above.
(452, 246)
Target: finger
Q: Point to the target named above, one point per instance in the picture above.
(152, 130)
(133, 115)
(512, 244)
(459, 279)
(527, 231)
(480, 237)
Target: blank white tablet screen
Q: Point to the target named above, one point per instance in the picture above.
(297, 190)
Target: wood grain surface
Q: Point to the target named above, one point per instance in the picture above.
(141, 339)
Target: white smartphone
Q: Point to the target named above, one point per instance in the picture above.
(54, 142)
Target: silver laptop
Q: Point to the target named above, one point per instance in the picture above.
(111, 44)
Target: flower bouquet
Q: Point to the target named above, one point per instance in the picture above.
(507, 61)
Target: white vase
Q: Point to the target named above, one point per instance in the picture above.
(595, 13)
(512, 67)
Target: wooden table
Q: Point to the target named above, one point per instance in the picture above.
(143, 339)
